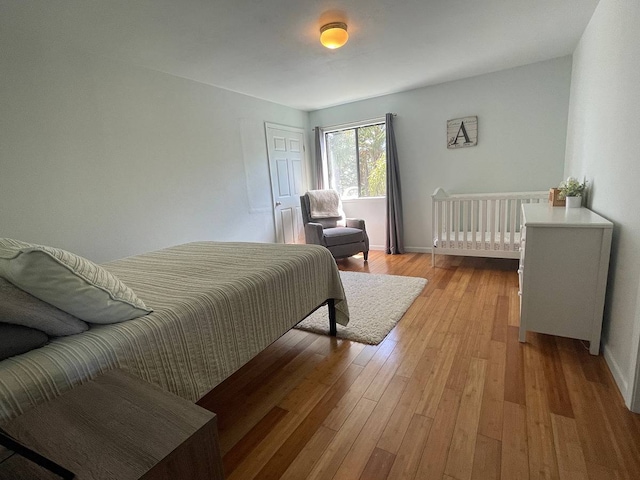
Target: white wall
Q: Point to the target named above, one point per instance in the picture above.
(108, 160)
(522, 116)
(602, 145)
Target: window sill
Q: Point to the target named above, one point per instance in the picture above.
(361, 199)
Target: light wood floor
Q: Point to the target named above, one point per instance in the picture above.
(449, 394)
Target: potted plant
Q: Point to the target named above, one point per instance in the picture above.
(572, 190)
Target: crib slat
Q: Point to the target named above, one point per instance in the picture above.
(462, 227)
(444, 238)
(512, 224)
(483, 233)
(492, 222)
(437, 221)
(438, 239)
(441, 219)
(447, 222)
(503, 225)
(465, 221)
(456, 220)
(434, 222)
(474, 223)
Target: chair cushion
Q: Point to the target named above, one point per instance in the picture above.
(342, 235)
(330, 222)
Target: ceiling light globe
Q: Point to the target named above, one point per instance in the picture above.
(334, 35)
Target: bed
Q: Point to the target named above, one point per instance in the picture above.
(478, 225)
(215, 306)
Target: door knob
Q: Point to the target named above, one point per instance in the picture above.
(278, 204)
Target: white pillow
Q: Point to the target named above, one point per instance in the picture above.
(69, 282)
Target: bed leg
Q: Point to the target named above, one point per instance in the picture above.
(333, 329)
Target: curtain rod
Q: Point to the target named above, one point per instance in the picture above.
(328, 127)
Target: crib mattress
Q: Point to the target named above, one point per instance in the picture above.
(465, 242)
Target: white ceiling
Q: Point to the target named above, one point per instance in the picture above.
(269, 48)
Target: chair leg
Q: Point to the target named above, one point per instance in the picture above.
(366, 255)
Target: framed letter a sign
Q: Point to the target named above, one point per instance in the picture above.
(462, 132)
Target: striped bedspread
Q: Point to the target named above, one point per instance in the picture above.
(216, 305)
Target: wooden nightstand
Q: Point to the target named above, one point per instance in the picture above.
(118, 427)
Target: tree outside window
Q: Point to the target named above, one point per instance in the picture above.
(357, 161)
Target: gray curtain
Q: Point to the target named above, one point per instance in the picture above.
(319, 156)
(395, 233)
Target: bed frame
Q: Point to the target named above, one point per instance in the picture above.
(333, 324)
(479, 224)
(216, 306)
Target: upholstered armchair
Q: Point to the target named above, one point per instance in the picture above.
(325, 224)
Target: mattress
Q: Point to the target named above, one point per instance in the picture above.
(216, 305)
(467, 244)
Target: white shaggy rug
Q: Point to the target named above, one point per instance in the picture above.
(376, 303)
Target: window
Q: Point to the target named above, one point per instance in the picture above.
(357, 160)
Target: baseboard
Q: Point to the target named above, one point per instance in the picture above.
(382, 248)
(417, 249)
(621, 382)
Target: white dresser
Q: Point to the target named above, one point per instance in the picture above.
(564, 262)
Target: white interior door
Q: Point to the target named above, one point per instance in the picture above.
(286, 165)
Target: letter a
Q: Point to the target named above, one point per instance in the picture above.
(463, 134)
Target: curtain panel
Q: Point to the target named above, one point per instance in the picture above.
(395, 232)
(320, 155)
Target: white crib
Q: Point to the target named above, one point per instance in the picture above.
(480, 224)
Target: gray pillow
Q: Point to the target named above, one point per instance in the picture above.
(21, 308)
(16, 339)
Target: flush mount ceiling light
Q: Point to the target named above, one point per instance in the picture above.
(334, 35)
